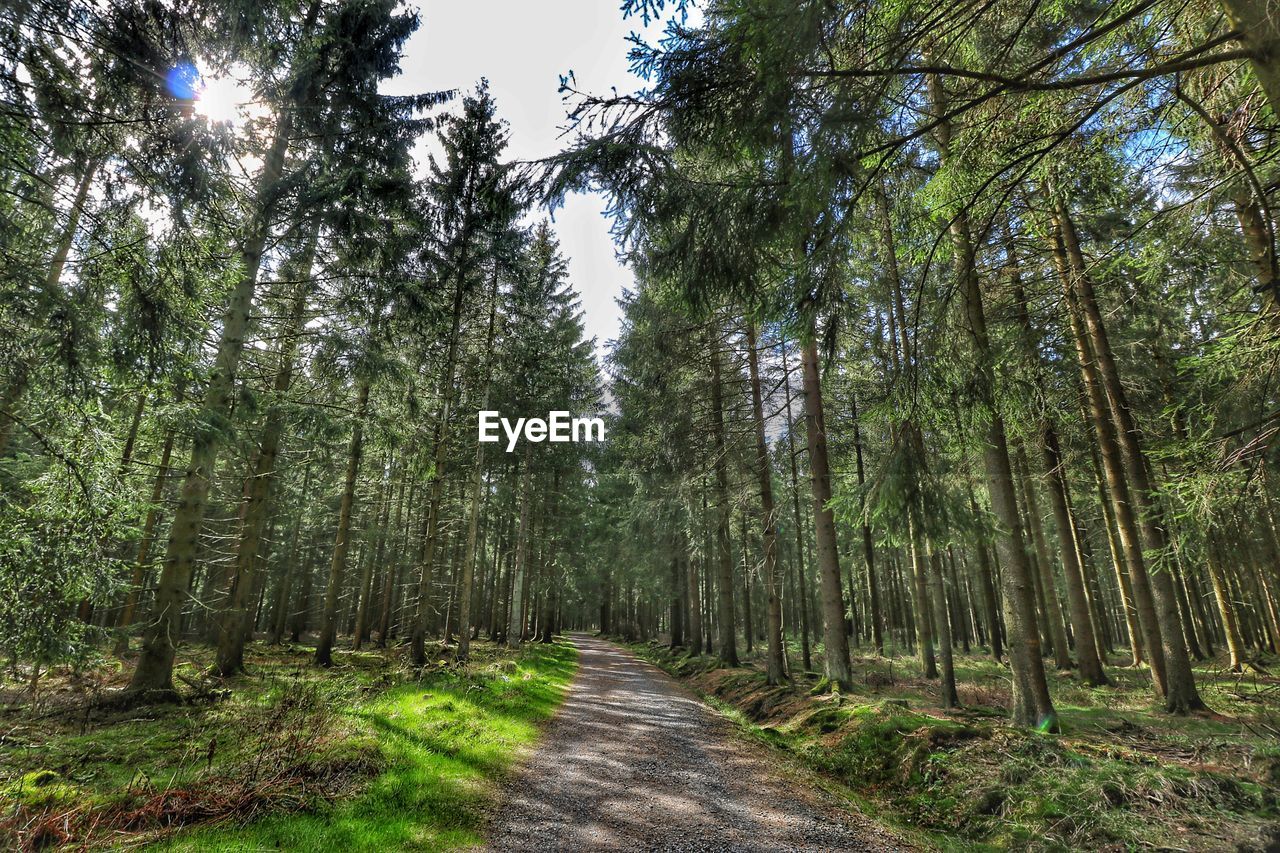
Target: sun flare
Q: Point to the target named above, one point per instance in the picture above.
(223, 100)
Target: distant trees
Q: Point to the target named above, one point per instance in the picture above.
(338, 61)
(1014, 242)
(267, 292)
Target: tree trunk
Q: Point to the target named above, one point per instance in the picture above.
(1031, 703)
(1128, 601)
(477, 477)
(920, 596)
(1116, 480)
(154, 670)
(1226, 607)
(19, 378)
(775, 664)
(342, 542)
(301, 617)
(422, 612)
(724, 581)
(1255, 21)
(365, 605)
(986, 581)
(1091, 671)
(695, 604)
(256, 506)
(802, 586)
(1267, 572)
(515, 622)
(748, 628)
(677, 596)
(550, 568)
(942, 626)
(868, 546)
(1181, 695)
(1052, 608)
(1081, 622)
(835, 640)
(142, 563)
(960, 601)
(390, 585)
(282, 613)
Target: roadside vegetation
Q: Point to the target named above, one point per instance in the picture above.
(366, 755)
(1121, 776)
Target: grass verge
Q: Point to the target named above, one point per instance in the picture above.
(1122, 776)
(360, 757)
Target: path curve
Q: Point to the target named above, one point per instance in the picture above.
(632, 761)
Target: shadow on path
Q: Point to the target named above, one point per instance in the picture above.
(633, 762)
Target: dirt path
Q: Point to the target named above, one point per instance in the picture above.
(633, 762)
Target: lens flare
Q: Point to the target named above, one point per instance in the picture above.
(183, 81)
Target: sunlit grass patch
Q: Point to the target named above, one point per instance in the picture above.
(442, 741)
(288, 757)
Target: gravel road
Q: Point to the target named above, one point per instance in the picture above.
(632, 761)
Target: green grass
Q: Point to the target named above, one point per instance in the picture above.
(1123, 775)
(442, 740)
(360, 757)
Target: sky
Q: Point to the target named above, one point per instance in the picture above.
(523, 47)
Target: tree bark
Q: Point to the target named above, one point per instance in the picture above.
(365, 605)
(724, 580)
(342, 541)
(515, 621)
(920, 596)
(1226, 607)
(1123, 583)
(835, 640)
(418, 648)
(19, 378)
(986, 581)
(391, 578)
(280, 621)
(695, 605)
(477, 477)
(142, 563)
(1259, 32)
(1181, 695)
(1052, 608)
(802, 586)
(942, 625)
(1031, 703)
(748, 627)
(256, 506)
(775, 668)
(1091, 671)
(1116, 480)
(868, 545)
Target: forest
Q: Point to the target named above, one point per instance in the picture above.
(938, 450)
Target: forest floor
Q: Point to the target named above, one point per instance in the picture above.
(633, 761)
(371, 756)
(1122, 775)
(364, 756)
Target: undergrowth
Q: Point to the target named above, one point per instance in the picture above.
(364, 756)
(1122, 775)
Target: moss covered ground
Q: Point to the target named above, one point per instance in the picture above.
(364, 756)
(1122, 775)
